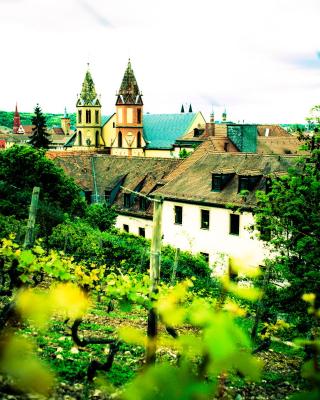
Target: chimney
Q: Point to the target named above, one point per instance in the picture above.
(210, 127)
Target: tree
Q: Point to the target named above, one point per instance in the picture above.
(101, 216)
(290, 215)
(22, 168)
(40, 137)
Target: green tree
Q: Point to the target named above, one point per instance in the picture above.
(40, 136)
(101, 216)
(290, 215)
(22, 168)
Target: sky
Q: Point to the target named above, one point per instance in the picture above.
(258, 59)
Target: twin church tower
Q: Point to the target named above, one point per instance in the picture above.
(120, 133)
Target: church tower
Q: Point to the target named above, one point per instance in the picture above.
(88, 115)
(129, 117)
(16, 121)
(65, 123)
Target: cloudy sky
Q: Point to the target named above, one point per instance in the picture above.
(259, 59)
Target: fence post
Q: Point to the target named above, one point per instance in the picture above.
(29, 238)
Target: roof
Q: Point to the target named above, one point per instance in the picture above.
(161, 130)
(57, 131)
(109, 170)
(272, 130)
(194, 184)
(279, 145)
(105, 119)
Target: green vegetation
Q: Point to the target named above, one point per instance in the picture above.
(73, 319)
(40, 136)
(6, 119)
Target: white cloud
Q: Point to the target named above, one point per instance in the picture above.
(253, 57)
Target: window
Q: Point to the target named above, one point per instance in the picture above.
(143, 203)
(107, 196)
(79, 116)
(88, 116)
(119, 139)
(113, 124)
(80, 138)
(127, 200)
(97, 138)
(268, 185)
(205, 219)
(234, 224)
(139, 139)
(97, 116)
(247, 182)
(129, 115)
(88, 195)
(205, 256)
(178, 215)
(142, 232)
(139, 115)
(216, 183)
(219, 181)
(126, 228)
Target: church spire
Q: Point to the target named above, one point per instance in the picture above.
(129, 90)
(16, 120)
(88, 95)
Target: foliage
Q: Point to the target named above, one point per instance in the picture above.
(6, 119)
(101, 216)
(22, 168)
(127, 252)
(184, 153)
(9, 225)
(40, 136)
(289, 214)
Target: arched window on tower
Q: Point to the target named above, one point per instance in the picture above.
(79, 116)
(139, 115)
(97, 138)
(88, 116)
(119, 139)
(139, 139)
(80, 138)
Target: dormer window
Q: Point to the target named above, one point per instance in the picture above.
(248, 182)
(220, 180)
(143, 203)
(127, 200)
(216, 183)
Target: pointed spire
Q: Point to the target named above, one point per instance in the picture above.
(16, 120)
(65, 113)
(190, 108)
(212, 117)
(182, 109)
(129, 89)
(88, 93)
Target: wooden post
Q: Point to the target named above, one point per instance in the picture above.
(29, 238)
(155, 277)
(175, 266)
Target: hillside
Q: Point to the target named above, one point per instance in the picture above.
(6, 119)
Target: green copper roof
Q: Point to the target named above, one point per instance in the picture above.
(88, 93)
(161, 130)
(105, 119)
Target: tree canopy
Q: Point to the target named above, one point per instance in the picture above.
(40, 136)
(289, 217)
(22, 168)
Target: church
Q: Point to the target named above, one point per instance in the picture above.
(128, 131)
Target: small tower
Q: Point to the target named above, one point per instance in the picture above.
(88, 115)
(212, 118)
(224, 116)
(16, 120)
(129, 117)
(65, 122)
